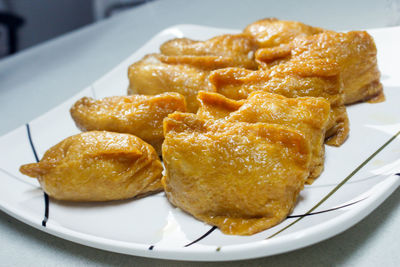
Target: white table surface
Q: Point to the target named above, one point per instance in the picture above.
(42, 77)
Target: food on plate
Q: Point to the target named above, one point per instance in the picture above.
(156, 74)
(271, 32)
(241, 177)
(304, 51)
(98, 166)
(239, 48)
(291, 81)
(309, 115)
(351, 55)
(140, 115)
(265, 101)
(185, 64)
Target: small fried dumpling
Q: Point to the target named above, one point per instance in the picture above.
(290, 81)
(309, 115)
(271, 32)
(98, 166)
(241, 177)
(353, 54)
(239, 47)
(156, 74)
(140, 115)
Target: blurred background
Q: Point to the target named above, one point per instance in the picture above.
(24, 23)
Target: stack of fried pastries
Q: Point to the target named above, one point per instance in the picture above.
(309, 115)
(140, 115)
(240, 121)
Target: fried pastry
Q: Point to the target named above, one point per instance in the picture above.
(239, 48)
(98, 166)
(272, 32)
(290, 81)
(353, 54)
(140, 115)
(309, 115)
(156, 74)
(241, 177)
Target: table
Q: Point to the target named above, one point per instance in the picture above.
(42, 77)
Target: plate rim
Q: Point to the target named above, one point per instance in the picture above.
(254, 249)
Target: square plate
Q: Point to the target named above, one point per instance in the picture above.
(358, 176)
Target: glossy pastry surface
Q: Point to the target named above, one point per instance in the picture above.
(271, 32)
(289, 80)
(239, 47)
(353, 54)
(98, 166)
(241, 177)
(140, 115)
(309, 115)
(156, 74)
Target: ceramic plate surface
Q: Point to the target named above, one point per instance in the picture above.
(358, 176)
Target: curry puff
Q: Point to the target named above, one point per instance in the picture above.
(156, 74)
(239, 48)
(184, 65)
(290, 81)
(350, 55)
(309, 115)
(272, 32)
(98, 166)
(139, 115)
(241, 177)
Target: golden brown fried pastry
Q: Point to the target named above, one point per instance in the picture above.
(98, 166)
(156, 74)
(352, 55)
(241, 177)
(290, 81)
(309, 115)
(139, 115)
(184, 65)
(273, 32)
(238, 47)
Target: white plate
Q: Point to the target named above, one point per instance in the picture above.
(151, 227)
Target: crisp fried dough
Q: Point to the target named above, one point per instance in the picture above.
(307, 114)
(239, 48)
(273, 32)
(241, 177)
(98, 166)
(139, 115)
(184, 65)
(156, 74)
(290, 81)
(353, 54)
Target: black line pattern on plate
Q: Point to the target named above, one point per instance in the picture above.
(291, 216)
(46, 197)
(323, 211)
(46, 209)
(28, 129)
(310, 212)
(340, 184)
(212, 229)
(151, 247)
